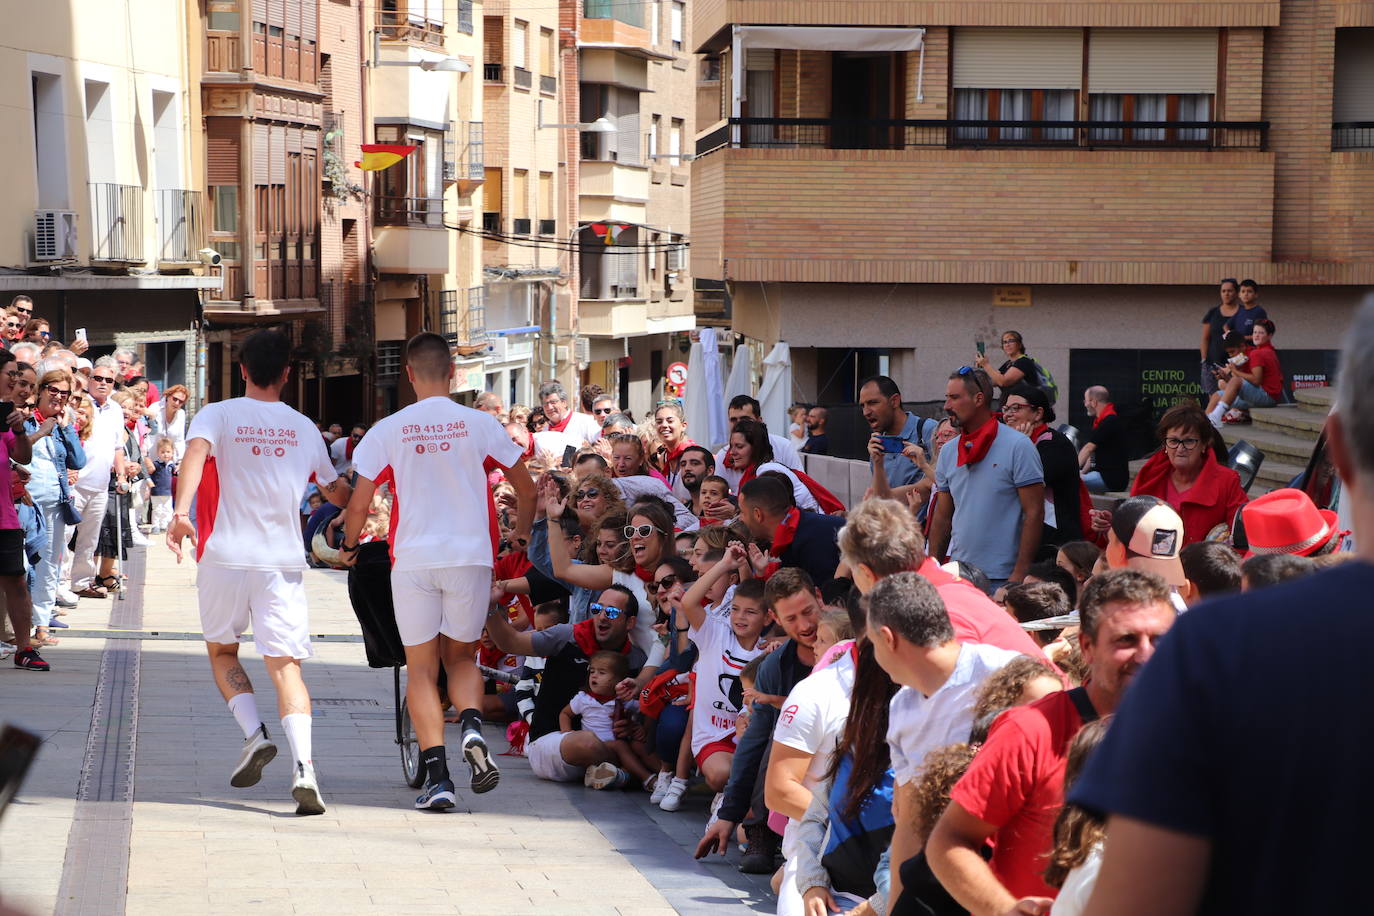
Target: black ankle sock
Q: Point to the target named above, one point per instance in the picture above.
(435, 761)
(471, 719)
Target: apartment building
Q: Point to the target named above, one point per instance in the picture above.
(528, 68)
(103, 223)
(887, 185)
(637, 75)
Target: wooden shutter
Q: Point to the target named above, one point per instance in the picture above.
(1018, 58)
(1354, 80)
(276, 13)
(310, 17)
(491, 39)
(1152, 60)
(518, 46)
(759, 59)
(627, 142)
(293, 18)
(277, 162)
(259, 10)
(222, 150)
(262, 154)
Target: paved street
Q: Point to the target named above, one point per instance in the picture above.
(128, 807)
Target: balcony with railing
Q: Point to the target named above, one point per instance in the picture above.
(401, 22)
(1352, 135)
(462, 316)
(523, 78)
(180, 226)
(491, 73)
(117, 223)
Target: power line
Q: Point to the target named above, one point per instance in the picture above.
(567, 246)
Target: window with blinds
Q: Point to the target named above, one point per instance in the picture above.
(1017, 75)
(1158, 75)
(1352, 103)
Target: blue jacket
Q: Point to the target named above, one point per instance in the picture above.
(68, 455)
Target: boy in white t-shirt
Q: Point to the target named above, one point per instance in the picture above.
(434, 455)
(725, 645)
(247, 461)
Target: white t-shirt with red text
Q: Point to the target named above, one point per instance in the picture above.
(432, 453)
(262, 456)
(813, 715)
(719, 693)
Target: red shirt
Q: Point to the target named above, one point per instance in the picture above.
(1016, 783)
(1267, 357)
(974, 615)
(512, 566)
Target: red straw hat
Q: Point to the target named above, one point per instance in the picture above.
(1287, 521)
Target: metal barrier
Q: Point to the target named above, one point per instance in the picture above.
(116, 222)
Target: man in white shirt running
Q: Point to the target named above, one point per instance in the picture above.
(247, 462)
(443, 535)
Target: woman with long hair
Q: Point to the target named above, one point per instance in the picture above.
(671, 424)
(1078, 833)
(167, 417)
(603, 543)
(751, 452)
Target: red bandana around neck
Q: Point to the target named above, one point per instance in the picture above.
(1038, 432)
(973, 447)
(600, 697)
(645, 575)
(783, 536)
(1108, 410)
(584, 634)
(670, 461)
(561, 424)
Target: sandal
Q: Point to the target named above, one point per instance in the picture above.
(109, 583)
(41, 638)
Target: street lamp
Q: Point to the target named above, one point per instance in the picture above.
(601, 125)
(445, 65)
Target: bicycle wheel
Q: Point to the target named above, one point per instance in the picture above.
(410, 751)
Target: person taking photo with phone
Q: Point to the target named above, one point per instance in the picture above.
(893, 429)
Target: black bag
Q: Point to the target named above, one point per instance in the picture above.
(69, 513)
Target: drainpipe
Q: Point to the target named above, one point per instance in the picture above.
(736, 81)
(248, 253)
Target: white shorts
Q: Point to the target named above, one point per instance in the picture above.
(546, 759)
(272, 600)
(450, 600)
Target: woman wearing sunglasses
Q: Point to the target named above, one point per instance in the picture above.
(606, 547)
(650, 533)
(56, 450)
(167, 417)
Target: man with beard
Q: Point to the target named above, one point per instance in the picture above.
(694, 465)
(992, 487)
(1013, 791)
(881, 402)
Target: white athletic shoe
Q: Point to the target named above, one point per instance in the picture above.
(258, 751)
(67, 598)
(661, 783)
(306, 791)
(485, 775)
(605, 776)
(715, 809)
(672, 799)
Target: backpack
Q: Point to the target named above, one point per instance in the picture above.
(1047, 382)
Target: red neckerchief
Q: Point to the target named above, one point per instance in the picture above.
(783, 536)
(973, 446)
(348, 449)
(601, 697)
(645, 575)
(1039, 431)
(584, 634)
(670, 461)
(561, 424)
(749, 473)
(1108, 410)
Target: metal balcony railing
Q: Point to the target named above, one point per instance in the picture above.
(409, 211)
(523, 78)
(1352, 135)
(180, 226)
(548, 85)
(409, 25)
(836, 133)
(492, 73)
(116, 222)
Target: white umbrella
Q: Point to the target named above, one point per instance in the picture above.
(775, 392)
(741, 379)
(715, 396)
(695, 397)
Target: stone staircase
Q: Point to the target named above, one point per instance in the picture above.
(1285, 434)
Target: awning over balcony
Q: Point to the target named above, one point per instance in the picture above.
(828, 38)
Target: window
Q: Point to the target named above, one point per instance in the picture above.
(491, 201)
(1016, 75)
(224, 208)
(412, 191)
(655, 13)
(655, 125)
(675, 142)
(1352, 101)
(223, 16)
(100, 166)
(621, 107)
(1148, 106)
(675, 27)
(1160, 75)
(518, 39)
(520, 201)
(1015, 105)
(548, 217)
(548, 60)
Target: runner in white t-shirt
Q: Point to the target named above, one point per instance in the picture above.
(724, 647)
(247, 462)
(434, 455)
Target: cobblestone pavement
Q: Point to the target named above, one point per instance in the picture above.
(128, 807)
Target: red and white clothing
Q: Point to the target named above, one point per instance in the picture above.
(813, 716)
(783, 453)
(262, 455)
(719, 693)
(576, 429)
(432, 453)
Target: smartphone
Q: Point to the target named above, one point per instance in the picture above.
(80, 333)
(6, 408)
(569, 454)
(982, 348)
(17, 750)
(893, 445)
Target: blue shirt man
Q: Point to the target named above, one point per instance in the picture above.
(881, 402)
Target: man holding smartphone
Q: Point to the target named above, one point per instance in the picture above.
(893, 430)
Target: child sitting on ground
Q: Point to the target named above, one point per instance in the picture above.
(599, 709)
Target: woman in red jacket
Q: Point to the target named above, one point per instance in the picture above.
(1186, 474)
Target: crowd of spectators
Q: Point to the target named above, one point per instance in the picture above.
(90, 452)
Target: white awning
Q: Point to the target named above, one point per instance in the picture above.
(828, 38)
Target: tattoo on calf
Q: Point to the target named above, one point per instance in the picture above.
(237, 679)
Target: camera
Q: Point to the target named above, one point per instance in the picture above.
(209, 257)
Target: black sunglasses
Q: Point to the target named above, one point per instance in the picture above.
(664, 583)
(586, 494)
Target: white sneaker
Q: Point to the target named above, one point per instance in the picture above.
(672, 799)
(68, 596)
(661, 783)
(605, 776)
(6, 650)
(306, 791)
(715, 809)
(258, 751)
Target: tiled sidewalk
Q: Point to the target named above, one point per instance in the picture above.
(199, 846)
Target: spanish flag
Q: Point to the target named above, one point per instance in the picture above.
(378, 156)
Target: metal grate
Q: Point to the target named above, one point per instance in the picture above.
(343, 701)
(389, 359)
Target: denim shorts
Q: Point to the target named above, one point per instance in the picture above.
(1252, 395)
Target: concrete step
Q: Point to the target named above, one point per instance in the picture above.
(1316, 398)
(1274, 474)
(1299, 421)
(1277, 446)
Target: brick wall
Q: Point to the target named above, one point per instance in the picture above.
(1242, 80)
(340, 39)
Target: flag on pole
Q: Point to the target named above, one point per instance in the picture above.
(378, 156)
(609, 233)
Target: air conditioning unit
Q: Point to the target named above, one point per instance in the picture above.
(498, 349)
(582, 350)
(54, 235)
(561, 353)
